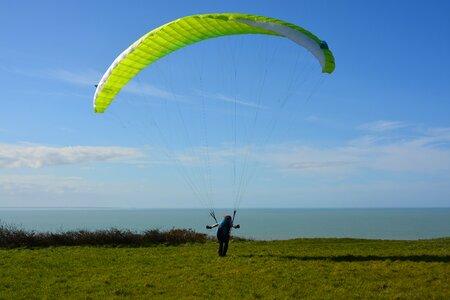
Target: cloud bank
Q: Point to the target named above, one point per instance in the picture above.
(383, 125)
(37, 156)
(423, 152)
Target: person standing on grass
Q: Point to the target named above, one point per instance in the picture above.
(223, 233)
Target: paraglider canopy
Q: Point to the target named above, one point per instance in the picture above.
(191, 29)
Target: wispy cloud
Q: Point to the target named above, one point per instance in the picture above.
(422, 152)
(295, 158)
(224, 98)
(37, 156)
(419, 152)
(316, 119)
(145, 89)
(32, 184)
(57, 94)
(228, 99)
(90, 78)
(201, 156)
(84, 78)
(382, 125)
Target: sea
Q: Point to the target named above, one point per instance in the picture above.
(258, 224)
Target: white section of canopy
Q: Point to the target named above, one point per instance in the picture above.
(292, 34)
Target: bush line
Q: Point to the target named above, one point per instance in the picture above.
(13, 237)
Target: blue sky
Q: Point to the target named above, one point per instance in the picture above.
(375, 133)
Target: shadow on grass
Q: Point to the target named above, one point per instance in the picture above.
(352, 258)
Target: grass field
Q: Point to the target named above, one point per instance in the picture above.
(293, 269)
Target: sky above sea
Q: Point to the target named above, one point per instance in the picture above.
(245, 121)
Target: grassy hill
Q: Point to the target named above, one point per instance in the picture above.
(292, 269)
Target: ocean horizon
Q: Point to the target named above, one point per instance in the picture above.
(256, 223)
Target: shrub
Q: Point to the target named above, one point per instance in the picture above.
(12, 237)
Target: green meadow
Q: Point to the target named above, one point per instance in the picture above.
(291, 269)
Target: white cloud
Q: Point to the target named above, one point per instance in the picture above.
(316, 119)
(145, 89)
(64, 94)
(224, 98)
(91, 78)
(424, 153)
(420, 154)
(85, 78)
(48, 184)
(37, 156)
(382, 125)
(41, 190)
(307, 159)
(427, 152)
(228, 99)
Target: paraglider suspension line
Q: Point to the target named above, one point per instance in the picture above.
(213, 215)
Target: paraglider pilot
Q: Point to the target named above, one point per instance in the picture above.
(223, 233)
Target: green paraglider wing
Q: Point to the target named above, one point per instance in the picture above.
(188, 30)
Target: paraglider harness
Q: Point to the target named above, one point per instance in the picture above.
(225, 227)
